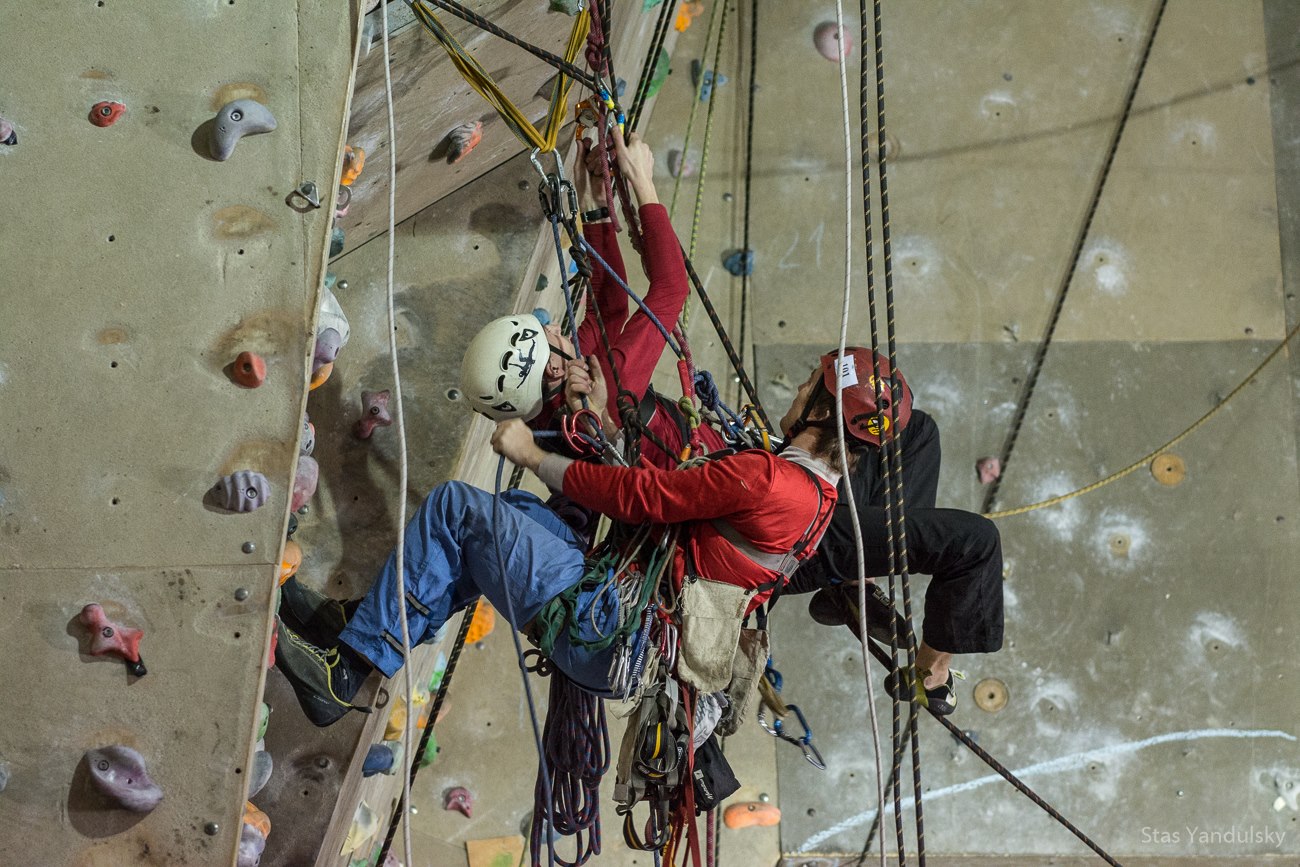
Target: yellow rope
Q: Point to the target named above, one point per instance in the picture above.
(483, 84)
(1141, 462)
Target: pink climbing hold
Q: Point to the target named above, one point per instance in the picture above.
(106, 113)
(832, 42)
(680, 165)
(462, 140)
(988, 470)
(119, 772)
(248, 369)
(110, 639)
(7, 134)
(374, 413)
(304, 482)
(460, 800)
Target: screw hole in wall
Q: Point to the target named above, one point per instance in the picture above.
(112, 364)
(240, 251)
(115, 501)
(112, 238)
(238, 634)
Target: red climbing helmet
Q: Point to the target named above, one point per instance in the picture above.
(862, 417)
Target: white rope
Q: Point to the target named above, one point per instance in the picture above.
(408, 680)
(849, 189)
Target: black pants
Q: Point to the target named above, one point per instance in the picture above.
(961, 550)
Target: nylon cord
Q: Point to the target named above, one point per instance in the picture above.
(403, 468)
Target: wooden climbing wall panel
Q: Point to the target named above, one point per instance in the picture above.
(136, 268)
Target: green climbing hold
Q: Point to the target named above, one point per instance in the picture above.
(650, 4)
(430, 751)
(568, 7)
(660, 74)
(264, 717)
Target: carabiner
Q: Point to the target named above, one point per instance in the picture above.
(576, 439)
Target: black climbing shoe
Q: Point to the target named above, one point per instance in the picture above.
(313, 615)
(835, 606)
(941, 699)
(323, 680)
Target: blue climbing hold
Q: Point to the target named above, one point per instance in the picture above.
(740, 263)
(336, 241)
(710, 78)
(543, 315)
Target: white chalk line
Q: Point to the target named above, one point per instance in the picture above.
(1072, 762)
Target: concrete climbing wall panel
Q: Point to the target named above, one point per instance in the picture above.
(137, 267)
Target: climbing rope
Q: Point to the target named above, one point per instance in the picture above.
(1150, 456)
(482, 82)
(427, 734)
(399, 417)
(850, 497)
(666, 10)
(1054, 318)
(745, 252)
(698, 211)
(695, 104)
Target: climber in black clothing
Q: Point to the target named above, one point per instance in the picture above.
(961, 550)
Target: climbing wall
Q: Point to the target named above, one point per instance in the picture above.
(1147, 623)
(137, 268)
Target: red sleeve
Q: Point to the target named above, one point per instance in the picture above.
(641, 344)
(606, 294)
(650, 495)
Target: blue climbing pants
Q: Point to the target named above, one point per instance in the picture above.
(451, 559)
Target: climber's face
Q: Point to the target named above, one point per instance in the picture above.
(556, 362)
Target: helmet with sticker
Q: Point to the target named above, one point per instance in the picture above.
(863, 418)
(501, 374)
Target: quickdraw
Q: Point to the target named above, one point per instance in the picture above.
(770, 688)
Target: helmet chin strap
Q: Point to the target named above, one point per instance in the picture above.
(803, 422)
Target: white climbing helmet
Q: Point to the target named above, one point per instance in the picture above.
(501, 374)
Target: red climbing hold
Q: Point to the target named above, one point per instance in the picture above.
(304, 482)
(374, 413)
(108, 638)
(462, 140)
(988, 470)
(248, 369)
(460, 800)
(106, 113)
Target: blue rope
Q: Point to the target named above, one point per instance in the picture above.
(707, 391)
(589, 250)
(543, 772)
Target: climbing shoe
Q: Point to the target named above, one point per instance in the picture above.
(835, 606)
(313, 615)
(323, 680)
(941, 699)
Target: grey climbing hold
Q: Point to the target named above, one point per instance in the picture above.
(336, 241)
(260, 772)
(236, 120)
(119, 772)
(4, 774)
(307, 444)
(242, 491)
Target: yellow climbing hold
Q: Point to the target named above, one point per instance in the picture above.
(397, 719)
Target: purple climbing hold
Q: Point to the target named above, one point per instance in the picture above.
(328, 344)
(242, 491)
(374, 413)
(236, 120)
(304, 482)
(251, 845)
(7, 134)
(119, 772)
(307, 444)
(831, 42)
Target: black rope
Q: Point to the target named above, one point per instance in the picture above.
(745, 255)
(542, 54)
(651, 64)
(737, 364)
(1054, 318)
(427, 734)
(1002, 770)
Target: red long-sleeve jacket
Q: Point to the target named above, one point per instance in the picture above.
(769, 500)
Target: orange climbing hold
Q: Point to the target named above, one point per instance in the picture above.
(354, 160)
(322, 373)
(688, 13)
(256, 818)
(751, 814)
(290, 560)
(248, 369)
(484, 620)
(463, 139)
